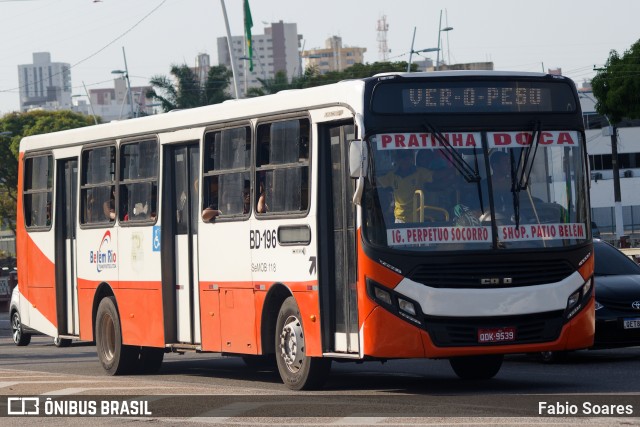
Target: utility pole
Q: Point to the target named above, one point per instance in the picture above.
(617, 195)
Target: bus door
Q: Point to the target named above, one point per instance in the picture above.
(337, 240)
(65, 246)
(180, 231)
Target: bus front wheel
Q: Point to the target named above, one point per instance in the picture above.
(115, 357)
(477, 367)
(297, 370)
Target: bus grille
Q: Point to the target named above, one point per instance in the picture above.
(471, 275)
(459, 332)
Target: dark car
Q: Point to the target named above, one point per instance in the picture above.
(617, 287)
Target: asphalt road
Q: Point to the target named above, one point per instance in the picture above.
(212, 389)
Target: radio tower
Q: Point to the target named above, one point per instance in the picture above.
(383, 49)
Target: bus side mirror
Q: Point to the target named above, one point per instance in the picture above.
(358, 158)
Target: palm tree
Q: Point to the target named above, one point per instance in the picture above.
(185, 91)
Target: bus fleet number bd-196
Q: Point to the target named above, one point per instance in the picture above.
(265, 239)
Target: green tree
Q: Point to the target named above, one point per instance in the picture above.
(312, 77)
(617, 85)
(215, 89)
(14, 126)
(185, 91)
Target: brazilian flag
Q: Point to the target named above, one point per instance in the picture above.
(248, 23)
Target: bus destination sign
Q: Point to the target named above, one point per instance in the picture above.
(473, 97)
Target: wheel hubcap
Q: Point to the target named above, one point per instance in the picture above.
(292, 344)
(107, 337)
(15, 328)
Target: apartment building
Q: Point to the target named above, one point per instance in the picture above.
(275, 50)
(44, 84)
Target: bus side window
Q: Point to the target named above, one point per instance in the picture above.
(226, 173)
(282, 167)
(138, 181)
(97, 185)
(38, 191)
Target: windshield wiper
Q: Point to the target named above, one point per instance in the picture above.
(520, 176)
(525, 163)
(470, 174)
(515, 188)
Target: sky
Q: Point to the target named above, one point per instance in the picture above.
(515, 35)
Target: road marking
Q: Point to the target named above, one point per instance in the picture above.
(360, 420)
(222, 414)
(78, 390)
(4, 384)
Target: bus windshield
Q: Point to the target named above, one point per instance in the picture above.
(476, 190)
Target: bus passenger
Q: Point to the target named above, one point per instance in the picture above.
(262, 206)
(501, 180)
(211, 212)
(109, 206)
(404, 180)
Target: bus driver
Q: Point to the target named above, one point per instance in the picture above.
(404, 180)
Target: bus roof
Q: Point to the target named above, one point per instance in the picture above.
(469, 73)
(347, 92)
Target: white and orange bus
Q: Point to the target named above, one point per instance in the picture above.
(362, 220)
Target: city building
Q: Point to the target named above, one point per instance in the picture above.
(463, 66)
(44, 84)
(334, 56)
(113, 103)
(275, 50)
(203, 65)
(598, 136)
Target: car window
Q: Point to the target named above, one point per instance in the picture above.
(610, 261)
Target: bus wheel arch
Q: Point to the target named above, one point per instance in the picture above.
(104, 290)
(276, 296)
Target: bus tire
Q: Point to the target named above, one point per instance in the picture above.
(477, 367)
(20, 338)
(297, 370)
(150, 360)
(61, 342)
(115, 357)
(263, 362)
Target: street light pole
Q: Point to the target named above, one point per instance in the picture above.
(126, 69)
(95, 120)
(430, 49)
(125, 74)
(615, 168)
(413, 39)
(440, 30)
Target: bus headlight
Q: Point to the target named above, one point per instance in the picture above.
(576, 300)
(406, 306)
(382, 295)
(395, 302)
(573, 299)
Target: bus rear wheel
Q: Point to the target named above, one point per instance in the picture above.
(297, 370)
(115, 357)
(61, 342)
(477, 367)
(149, 360)
(263, 362)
